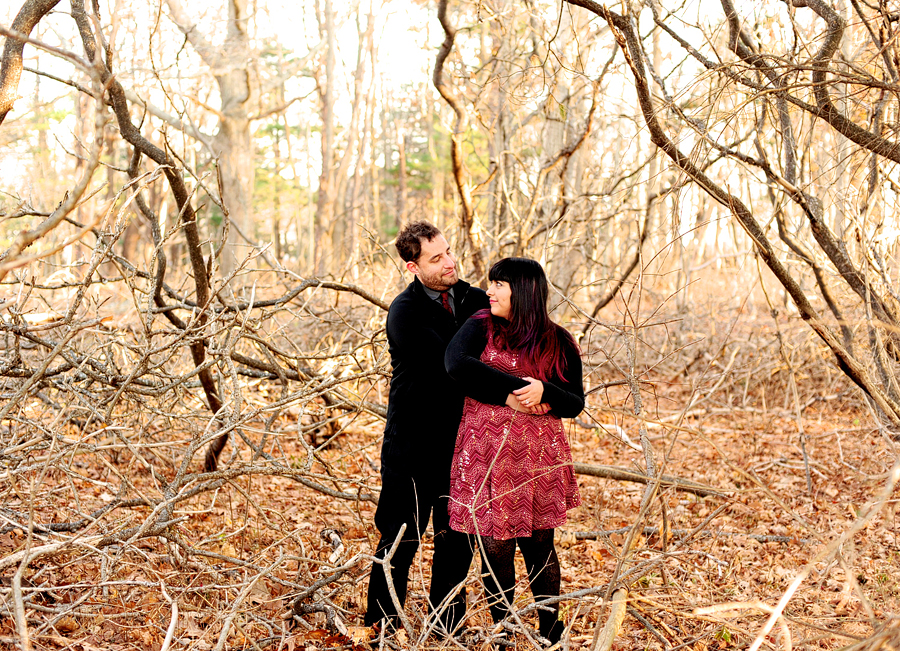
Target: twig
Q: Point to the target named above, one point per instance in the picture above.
(830, 549)
(173, 622)
(650, 627)
(386, 567)
(226, 626)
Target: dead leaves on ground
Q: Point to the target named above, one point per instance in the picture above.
(758, 459)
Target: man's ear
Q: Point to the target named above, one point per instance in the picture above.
(412, 267)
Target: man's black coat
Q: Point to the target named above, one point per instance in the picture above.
(425, 405)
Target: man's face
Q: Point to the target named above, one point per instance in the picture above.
(436, 266)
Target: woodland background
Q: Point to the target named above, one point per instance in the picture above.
(197, 206)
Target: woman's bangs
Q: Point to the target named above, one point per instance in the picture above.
(502, 270)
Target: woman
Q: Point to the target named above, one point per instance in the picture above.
(511, 481)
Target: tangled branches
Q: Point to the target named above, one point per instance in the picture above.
(83, 389)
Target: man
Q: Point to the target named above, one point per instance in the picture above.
(424, 410)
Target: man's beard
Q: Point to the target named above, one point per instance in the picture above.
(440, 283)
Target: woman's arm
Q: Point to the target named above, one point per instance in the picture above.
(566, 395)
(476, 379)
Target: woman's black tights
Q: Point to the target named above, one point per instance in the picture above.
(498, 570)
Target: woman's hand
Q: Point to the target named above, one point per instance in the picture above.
(531, 394)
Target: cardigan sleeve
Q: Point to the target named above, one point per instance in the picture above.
(566, 395)
(476, 379)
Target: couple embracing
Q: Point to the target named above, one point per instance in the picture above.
(473, 436)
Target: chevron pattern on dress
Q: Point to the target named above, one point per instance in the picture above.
(512, 472)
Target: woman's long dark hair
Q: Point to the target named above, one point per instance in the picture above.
(530, 331)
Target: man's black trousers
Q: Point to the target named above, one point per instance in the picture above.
(410, 500)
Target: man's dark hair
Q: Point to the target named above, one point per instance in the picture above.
(409, 240)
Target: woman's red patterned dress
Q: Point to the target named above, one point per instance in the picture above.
(512, 472)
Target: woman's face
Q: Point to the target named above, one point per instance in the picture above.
(500, 294)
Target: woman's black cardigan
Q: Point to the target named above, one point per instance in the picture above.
(565, 394)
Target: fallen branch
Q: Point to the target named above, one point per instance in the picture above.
(622, 474)
(653, 531)
(610, 630)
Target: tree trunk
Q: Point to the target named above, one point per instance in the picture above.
(232, 143)
(325, 205)
(11, 66)
(401, 180)
(457, 158)
(344, 226)
(363, 163)
(234, 150)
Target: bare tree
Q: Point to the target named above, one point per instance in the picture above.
(144, 361)
(870, 361)
(467, 215)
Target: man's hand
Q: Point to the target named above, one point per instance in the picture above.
(513, 401)
(540, 409)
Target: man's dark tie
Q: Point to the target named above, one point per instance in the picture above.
(445, 301)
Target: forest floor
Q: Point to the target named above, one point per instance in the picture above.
(767, 528)
(790, 488)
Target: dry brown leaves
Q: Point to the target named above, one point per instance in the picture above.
(241, 553)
